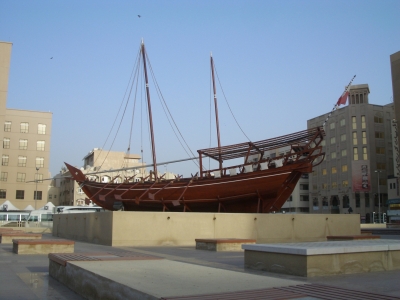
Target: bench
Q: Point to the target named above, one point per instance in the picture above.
(35, 246)
(9, 230)
(227, 244)
(352, 237)
(324, 258)
(7, 237)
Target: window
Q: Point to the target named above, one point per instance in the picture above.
(324, 186)
(354, 138)
(334, 170)
(21, 161)
(366, 196)
(304, 187)
(323, 171)
(364, 137)
(380, 166)
(40, 145)
(3, 194)
(20, 194)
(315, 203)
(379, 135)
(50, 196)
(24, 127)
(342, 122)
(333, 140)
(346, 201)
(354, 122)
(365, 153)
(3, 176)
(382, 181)
(344, 152)
(380, 150)
(323, 143)
(334, 185)
(314, 173)
(6, 143)
(355, 153)
(363, 123)
(378, 118)
(343, 137)
(4, 160)
(23, 144)
(332, 125)
(39, 177)
(39, 162)
(41, 129)
(21, 177)
(304, 198)
(344, 168)
(333, 155)
(7, 126)
(37, 195)
(314, 187)
(357, 199)
(345, 183)
(325, 202)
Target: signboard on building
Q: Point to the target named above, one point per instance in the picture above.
(361, 177)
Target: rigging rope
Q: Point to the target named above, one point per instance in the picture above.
(170, 118)
(226, 100)
(115, 120)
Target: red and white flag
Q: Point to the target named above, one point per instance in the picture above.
(343, 99)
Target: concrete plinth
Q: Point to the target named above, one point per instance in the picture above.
(123, 228)
(222, 244)
(36, 246)
(321, 259)
(7, 238)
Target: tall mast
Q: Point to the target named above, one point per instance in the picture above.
(153, 146)
(216, 108)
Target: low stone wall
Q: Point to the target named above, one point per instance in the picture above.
(29, 229)
(372, 226)
(122, 228)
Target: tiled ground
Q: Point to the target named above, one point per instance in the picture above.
(26, 276)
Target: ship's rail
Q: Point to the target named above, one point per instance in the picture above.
(305, 144)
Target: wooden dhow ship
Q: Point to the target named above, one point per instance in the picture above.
(260, 184)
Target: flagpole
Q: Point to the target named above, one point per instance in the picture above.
(338, 103)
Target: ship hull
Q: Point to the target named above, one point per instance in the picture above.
(260, 191)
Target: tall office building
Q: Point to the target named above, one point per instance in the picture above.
(395, 69)
(394, 192)
(25, 150)
(358, 160)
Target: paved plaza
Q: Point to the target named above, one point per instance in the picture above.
(27, 276)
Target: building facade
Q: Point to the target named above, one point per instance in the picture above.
(25, 149)
(358, 158)
(99, 166)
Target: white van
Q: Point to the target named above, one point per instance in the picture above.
(40, 218)
(77, 209)
(44, 217)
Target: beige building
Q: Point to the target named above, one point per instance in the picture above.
(100, 166)
(395, 70)
(358, 159)
(25, 147)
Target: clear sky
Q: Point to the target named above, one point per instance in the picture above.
(280, 63)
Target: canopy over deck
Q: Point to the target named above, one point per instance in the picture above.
(249, 148)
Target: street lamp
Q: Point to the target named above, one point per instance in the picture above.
(379, 198)
(37, 176)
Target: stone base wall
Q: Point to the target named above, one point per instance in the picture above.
(123, 228)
